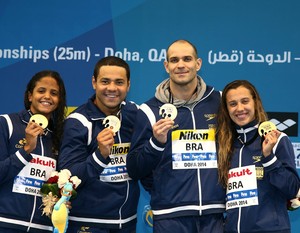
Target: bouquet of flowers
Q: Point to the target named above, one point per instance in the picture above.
(294, 203)
(52, 188)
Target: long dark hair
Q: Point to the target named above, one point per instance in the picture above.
(59, 114)
(226, 131)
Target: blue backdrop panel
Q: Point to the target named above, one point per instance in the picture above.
(254, 40)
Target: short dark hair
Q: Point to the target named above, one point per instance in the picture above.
(111, 61)
(183, 41)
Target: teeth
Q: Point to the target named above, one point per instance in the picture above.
(45, 103)
(242, 116)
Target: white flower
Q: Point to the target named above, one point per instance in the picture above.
(295, 203)
(63, 177)
(75, 181)
(65, 172)
(54, 173)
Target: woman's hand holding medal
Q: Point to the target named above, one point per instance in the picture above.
(267, 130)
(36, 125)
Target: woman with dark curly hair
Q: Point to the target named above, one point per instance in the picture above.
(29, 144)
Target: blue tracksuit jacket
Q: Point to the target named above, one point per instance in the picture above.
(277, 182)
(19, 210)
(106, 198)
(192, 190)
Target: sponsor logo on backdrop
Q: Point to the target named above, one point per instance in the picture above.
(286, 122)
(296, 146)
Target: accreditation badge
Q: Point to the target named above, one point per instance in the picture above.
(116, 170)
(31, 178)
(242, 187)
(193, 149)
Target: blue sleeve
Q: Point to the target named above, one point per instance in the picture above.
(281, 170)
(77, 156)
(10, 164)
(145, 151)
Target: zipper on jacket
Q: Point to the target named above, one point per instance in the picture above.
(198, 170)
(120, 210)
(127, 182)
(199, 191)
(240, 209)
(34, 202)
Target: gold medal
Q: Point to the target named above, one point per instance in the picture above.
(112, 122)
(265, 128)
(168, 111)
(39, 119)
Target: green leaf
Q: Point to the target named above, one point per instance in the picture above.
(47, 188)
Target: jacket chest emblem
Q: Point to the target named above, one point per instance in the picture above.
(21, 143)
(259, 169)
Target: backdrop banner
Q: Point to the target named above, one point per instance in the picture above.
(254, 40)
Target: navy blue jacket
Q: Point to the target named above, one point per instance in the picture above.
(181, 192)
(100, 203)
(277, 183)
(20, 211)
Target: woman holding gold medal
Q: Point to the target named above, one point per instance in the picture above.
(29, 143)
(256, 163)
